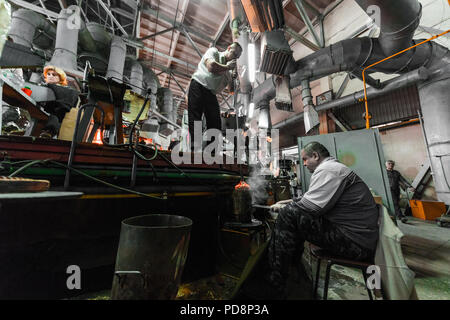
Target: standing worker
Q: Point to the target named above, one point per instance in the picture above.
(396, 180)
(213, 74)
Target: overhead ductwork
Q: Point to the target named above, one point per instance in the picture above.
(135, 75)
(283, 96)
(398, 22)
(264, 15)
(117, 57)
(96, 43)
(28, 28)
(264, 120)
(237, 17)
(165, 104)
(275, 52)
(151, 81)
(65, 54)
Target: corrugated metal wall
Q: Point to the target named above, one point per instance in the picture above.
(395, 106)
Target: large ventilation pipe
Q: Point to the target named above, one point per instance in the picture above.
(95, 43)
(434, 101)
(245, 87)
(237, 16)
(402, 81)
(398, 20)
(116, 59)
(27, 27)
(136, 78)
(165, 104)
(65, 54)
(151, 82)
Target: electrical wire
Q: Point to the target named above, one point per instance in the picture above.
(32, 163)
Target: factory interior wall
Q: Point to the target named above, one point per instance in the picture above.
(339, 25)
(406, 146)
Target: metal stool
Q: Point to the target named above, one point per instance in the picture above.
(322, 254)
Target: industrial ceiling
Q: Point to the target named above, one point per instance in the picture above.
(172, 34)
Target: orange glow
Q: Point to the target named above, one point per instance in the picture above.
(98, 138)
(242, 185)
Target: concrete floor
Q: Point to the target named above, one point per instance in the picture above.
(426, 249)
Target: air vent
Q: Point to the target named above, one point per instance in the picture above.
(275, 52)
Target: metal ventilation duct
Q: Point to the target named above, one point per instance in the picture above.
(96, 43)
(65, 54)
(283, 96)
(151, 81)
(264, 15)
(116, 59)
(165, 103)
(135, 74)
(264, 120)
(275, 52)
(28, 27)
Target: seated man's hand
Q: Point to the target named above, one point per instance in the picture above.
(280, 204)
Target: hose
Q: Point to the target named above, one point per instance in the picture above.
(32, 163)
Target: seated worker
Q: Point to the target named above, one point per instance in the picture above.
(56, 78)
(337, 213)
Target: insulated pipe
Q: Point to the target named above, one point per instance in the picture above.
(25, 23)
(245, 87)
(65, 54)
(264, 120)
(151, 80)
(434, 100)
(398, 20)
(348, 55)
(389, 86)
(137, 77)
(236, 17)
(116, 59)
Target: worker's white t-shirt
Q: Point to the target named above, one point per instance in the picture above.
(214, 82)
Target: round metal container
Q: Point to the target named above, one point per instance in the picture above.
(151, 256)
(242, 205)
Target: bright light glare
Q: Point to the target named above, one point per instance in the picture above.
(251, 62)
(251, 108)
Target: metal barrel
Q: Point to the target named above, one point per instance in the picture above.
(151, 256)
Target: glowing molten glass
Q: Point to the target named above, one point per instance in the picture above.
(242, 185)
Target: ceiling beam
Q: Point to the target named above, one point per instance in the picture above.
(113, 18)
(176, 36)
(146, 9)
(27, 5)
(221, 29)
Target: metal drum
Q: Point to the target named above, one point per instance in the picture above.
(151, 256)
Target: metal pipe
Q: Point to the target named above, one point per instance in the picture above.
(66, 46)
(434, 100)
(116, 59)
(25, 24)
(398, 20)
(389, 86)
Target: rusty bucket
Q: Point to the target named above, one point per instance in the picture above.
(151, 256)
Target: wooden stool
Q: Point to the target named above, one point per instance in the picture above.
(322, 254)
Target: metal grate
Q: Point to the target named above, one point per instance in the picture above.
(398, 105)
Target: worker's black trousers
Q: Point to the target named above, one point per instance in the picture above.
(202, 101)
(292, 228)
